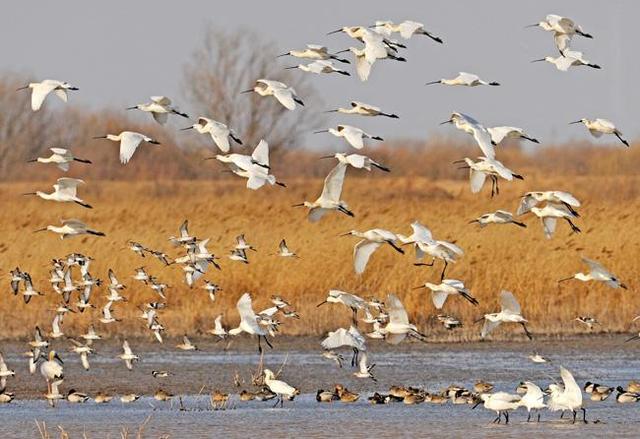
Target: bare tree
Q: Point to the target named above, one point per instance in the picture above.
(228, 63)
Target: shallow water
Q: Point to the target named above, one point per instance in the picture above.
(604, 360)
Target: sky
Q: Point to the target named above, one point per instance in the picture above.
(122, 51)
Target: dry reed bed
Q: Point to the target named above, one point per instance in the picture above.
(498, 257)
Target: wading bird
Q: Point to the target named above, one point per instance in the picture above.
(497, 217)
(533, 399)
(61, 157)
(249, 321)
(65, 191)
(563, 30)
(349, 300)
(598, 273)
(255, 168)
(51, 369)
(371, 241)
(478, 172)
(354, 136)
(598, 127)
(329, 199)
(129, 142)
(398, 327)
(479, 133)
(509, 313)
(282, 92)
(341, 337)
(550, 214)
(160, 108)
(464, 79)
(569, 59)
(447, 287)
(498, 134)
(406, 29)
(219, 132)
(314, 51)
(280, 388)
(357, 161)
(568, 397)
(40, 90)
(71, 227)
(319, 67)
(362, 109)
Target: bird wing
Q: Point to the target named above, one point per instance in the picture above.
(361, 254)
(68, 186)
(421, 232)
(562, 41)
(363, 67)
(60, 151)
(503, 215)
(483, 139)
(261, 153)
(256, 180)
(285, 97)
(354, 136)
(549, 226)
(397, 313)
(40, 92)
(607, 124)
(161, 118)
(356, 160)
(526, 203)
(339, 337)
(220, 137)
(488, 327)
(245, 308)
(112, 277)
(508, 302)
(566, 197)
(126, 348)
(394, 338)
(596, 266)
(161, 100)
(316, 214)
(128, 145)
(571, 389)
(454, 283)
(476, 180)
(407, 28)
(283, 246)
(333, 183)
(74, 223)
(439, 298)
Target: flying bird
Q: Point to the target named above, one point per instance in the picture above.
(40, 90)
(129, 142)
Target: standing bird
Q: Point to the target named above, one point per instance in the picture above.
(249, 321)
(497, 217)
(357, 161)
(510, 312)
(280, 388)
(219, 132)
(5, 372)
(65, 191)
(61, 157)
(40, 90)
(567, 397)
(51, 369)
(129, 142)
(354, 136)
(282, 92)
(465, 79)
(598, 273)
(329, 199)
(160, 108)
(501, 403)
(362, 109)
(127, 355)
(598, 127)
(371, 241)
(71, 227)
(533, 399)
(448, 287)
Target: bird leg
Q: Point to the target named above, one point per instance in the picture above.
(526, 331)
(259, 346)
(529, 417)
(574, 228)
(277, 401)
(574, 416)
(355, 316)
(584, 415)
(266, 340)
(538, 415)
(422, 264)
(354, 358)
(496, 420)
(443, 270)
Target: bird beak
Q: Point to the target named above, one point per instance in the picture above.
(330, 111)
(432, 82)
(297, 205)
(565, 279)
(246, 91)
(458, 161)
(29, 193)
(100, 137)
(417, 288)
(474, 221)
(187, 128)
(345, 234)
(446, 121)
(577, 121)
(44, 229)
(334, 31)
(291, 67)
(132, 108)
(320, 304)
(538, 60)
(22, 88)
(531, 25)
(321, 131)
(343, 51)
(282, 54)
(57, 357)
(327, 157)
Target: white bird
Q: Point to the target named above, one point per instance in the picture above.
(65, 191)
(537, 358)
(53, 393)
(498, 134)
(510, 312)
(314, 51)
(569, 59)
(160, 108)
(357, 161)
(249, 321)
(464, 79)
(107, 317)
(478, 172)
(479, 133)
(364, 370)
(255, 168)
(563, 30)
(186, 344)
(280, 388)
(371, 241)
(83, 350)
(38, 343)
(362, 109)
(71, 227)
(598, 127)
(51, 369)
(5, 372)
(446, 288)
(550, 214)
(354, 136)
(56, 331)
(219, 132)
(61, 157)
(341, 337)
(497, 217)
(398, 326)
(347, 299)
(91, 335)
(127, 355)
(329, 199)
(40, 90)
(406, 29)
(129, 142)
(501, 403)
(282, 92)
(318, 67)
(598, 273)
(376, 46)
(533, 399)
(239, 255)
(184, 238)
(363, 67)
(567, 398)
(532, 199)
(283, 250)
(29, 290)
(218, 330)
(211, 289)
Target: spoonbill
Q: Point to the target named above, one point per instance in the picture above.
(563, 29)
(498, 134)
(319, 67)
(425, 244)
(282, 92)
(65, 191)
(363, 67)
(479, 133)
(568, 397)
(160, 108)
(61, 157)
(129, 142)
(341, 337)
(347, 299)
(478, 172)
(354, 136)
(314, 51)
(446, 288)
(375, 44)
(598, 127)
(497, 217)
(254, 167)
(532, 199)
(398, 327)
(249, 321)
(52, 369)
(329, 199)
(569, 59)
(464, 79)
(71, 227)
(406, 29)
(219, 132)
(501, 403)
(371, 241)
(362, 109)
(5, 372)
(280, 388)
(40, 90)
(550, 214)
(509, 313)
(357, 161)
(127, 355)
(533, 399)
(598, 273)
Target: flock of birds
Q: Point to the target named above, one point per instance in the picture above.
(388, 320)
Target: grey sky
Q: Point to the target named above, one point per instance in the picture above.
(121, 51)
